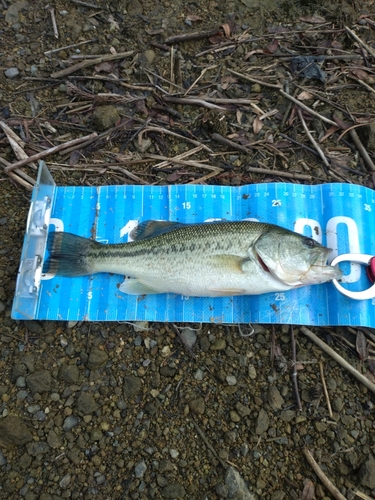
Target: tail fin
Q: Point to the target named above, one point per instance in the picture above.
(69, 255)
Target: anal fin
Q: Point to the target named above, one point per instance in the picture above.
(133, 286)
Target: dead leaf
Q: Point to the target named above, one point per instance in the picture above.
(272, 47)
(174, 176)
(312, 19)
(192, 18)
(252, 52)
(216, 39)
(239, 116)
(105, 66)
(305, 95)
(329, 132)
(361, 346)
(74, 158)
(227, 29)
(363, 76)
(340, 123)
(308, 492)
(257, 125)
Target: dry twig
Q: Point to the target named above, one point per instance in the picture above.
(50, 151)
(90, 62)
(325, 388)
(324, 479)
(364, 380)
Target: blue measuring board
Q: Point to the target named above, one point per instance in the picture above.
(340, 216)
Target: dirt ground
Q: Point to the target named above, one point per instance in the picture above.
(114, 411)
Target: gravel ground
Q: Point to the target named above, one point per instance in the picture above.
(117, 411)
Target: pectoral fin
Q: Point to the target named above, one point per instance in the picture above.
(228, 263)
(133, 286)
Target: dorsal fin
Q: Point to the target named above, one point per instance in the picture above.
(151, 228)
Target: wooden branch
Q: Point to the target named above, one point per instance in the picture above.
(90, 62)
(50, 151)
(324, 479)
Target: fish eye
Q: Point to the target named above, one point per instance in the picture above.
(309, 242)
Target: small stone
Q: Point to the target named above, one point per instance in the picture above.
(65, 481)
(69, 373)
(70, 422)
(12, 15)
(234, 416)
(13, 432)
(287, 415)
(36, 448)
(242, 410)
(97, 359)
(218, 345)
(367, 473)
(149, 55)
(275, 400)
(197, 406)
(231, 380)
(252, 372)
(236, 485)
(337, 404)
(173, 491)
(11, 72)
(262, 422)
(86, 403)
(199, 374)
(53, 440)
(132, 386)
(222, 490)
(189, 337)
(165, 466)
(140, 469)
(100, 479)
(39, 381)
(105, 117)
(173, 453)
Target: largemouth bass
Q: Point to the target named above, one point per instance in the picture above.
(212, 259)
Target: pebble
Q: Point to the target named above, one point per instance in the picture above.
(173, 491)
(132, 386)
(173, 453)
(231, 380)
(105, 117)
(197, 406)
(65, 481)
(97, 359)
(86, 403)
(21, 382)
(11, 72)
(140, 469)
(70, 422)
(100, 479)
(252, 372)
(367, 473)
(14, 432)
(69, 373)
(199, 374)
(275, 400)
(218, 345)
(39, 381)
(262, 422)
(236, 485)
(189, 337)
